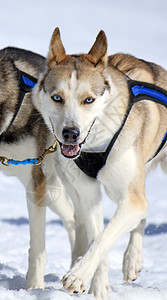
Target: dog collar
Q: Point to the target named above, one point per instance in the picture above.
(92, 162)
(26, 83)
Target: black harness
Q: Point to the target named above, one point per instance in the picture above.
(92, 162)
(26, 83)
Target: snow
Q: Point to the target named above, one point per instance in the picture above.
(136, 27)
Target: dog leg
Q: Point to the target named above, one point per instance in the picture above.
(83, 237)
(100, 282)
(56, 197)
(77, 196)
(85, 232)
(129, 213)
(36, 207)
(132, 262)
(81, 241)
(94, 223)
(89, 223)
(59, 203)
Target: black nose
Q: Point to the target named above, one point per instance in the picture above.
(70, 135)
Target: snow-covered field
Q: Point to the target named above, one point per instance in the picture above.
(136, 27)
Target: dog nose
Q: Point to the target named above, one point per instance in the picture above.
(70, 135)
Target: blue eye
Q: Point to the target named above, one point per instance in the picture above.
(89, 100)
(57, 98)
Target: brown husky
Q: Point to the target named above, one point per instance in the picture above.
(23, 134)
(109, 116)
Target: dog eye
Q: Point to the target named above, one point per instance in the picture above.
(89, 100)
(57, 98)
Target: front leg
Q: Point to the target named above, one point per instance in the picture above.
(36, 190)
(60, 204)
(89, 223)
(128, 215)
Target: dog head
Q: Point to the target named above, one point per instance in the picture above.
(71, 91)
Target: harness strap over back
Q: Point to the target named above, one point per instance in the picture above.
(92, 162)
(140, 91)
(26, 83)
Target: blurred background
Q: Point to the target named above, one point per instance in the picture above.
(136, 27)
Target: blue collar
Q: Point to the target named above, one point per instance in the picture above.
(91, 163)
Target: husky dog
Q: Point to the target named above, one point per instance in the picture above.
(23, 135)
(110, 119)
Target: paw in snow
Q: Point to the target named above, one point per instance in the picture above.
(77, 279)
(34, 284)
(34, 281)
(132, 263)
(100, 282)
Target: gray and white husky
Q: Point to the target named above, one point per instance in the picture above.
(109, 116)
(23, 134)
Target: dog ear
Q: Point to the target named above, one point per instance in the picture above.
(56, 51)
(98, 52)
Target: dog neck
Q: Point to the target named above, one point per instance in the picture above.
(92, 163)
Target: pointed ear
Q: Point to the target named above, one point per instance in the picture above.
(56, 51)
(98, 52)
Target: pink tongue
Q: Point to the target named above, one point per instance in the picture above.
(70, 150)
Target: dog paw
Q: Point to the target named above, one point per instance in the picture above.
(77, 279)
(34, 284)
(99, 287)
(100, 282)
(34, 281)
(132, 264)
(72, 284)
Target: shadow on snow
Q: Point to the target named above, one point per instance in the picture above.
(151, 229)
(18, 281)
(24, 221)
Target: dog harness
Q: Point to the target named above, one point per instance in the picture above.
(26, 83)
(89, 162)
(92, 162)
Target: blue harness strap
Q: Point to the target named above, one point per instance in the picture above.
(139, 90)
(91, 162)
(26, 83)
(165, 137)
(142, 90)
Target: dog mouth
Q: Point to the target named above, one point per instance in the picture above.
(73, 151)
(70, 151)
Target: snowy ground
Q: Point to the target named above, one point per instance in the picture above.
(137, 27)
